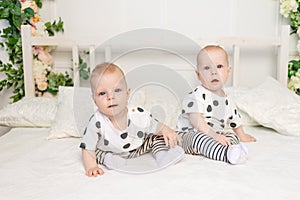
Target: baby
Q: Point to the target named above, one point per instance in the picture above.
(117, 132)
(207, 110)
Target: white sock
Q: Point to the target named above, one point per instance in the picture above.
(112, 161)
(168, 157)
(237, 154)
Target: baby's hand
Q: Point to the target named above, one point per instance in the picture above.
(171, 138)
(94, 171)
(223, 140)
(247, 138)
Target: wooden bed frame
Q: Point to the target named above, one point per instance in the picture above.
(282, 42)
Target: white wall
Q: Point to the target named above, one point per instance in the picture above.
(100, 20)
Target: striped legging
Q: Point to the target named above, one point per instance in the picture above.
(197, 143)
(153, 143)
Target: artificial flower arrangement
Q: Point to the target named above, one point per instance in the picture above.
(291, 9)
(47, 81)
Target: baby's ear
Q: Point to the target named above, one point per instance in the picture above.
(128, 92)
(229, 69)
(197, 74)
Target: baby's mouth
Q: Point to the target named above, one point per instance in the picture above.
(215, 81)
(113, 105)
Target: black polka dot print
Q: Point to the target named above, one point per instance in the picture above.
(222, 125)
(128, 122)
(203, 96)
(226, 102)
(216, 103)
(190, 104)
(82, 145)
(209, 108)
(98, 124)
(231, 117)
(140, 109)
(184, 128)
(210, 124)
(140, 134)
(99, 135)
(235, 111)
(232, 125)
(195, 89)
(183, 111)
(106, 142)
(222, 120)
(84, 131)
(124, 135)
(126, 146)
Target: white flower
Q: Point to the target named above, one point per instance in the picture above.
(294, 83)
(287, 6)
(39, 68)
(40, 30)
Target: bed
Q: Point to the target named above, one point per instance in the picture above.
(40, 156)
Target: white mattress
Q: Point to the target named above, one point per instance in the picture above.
(32, 167)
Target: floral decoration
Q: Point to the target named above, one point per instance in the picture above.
(46, 79)
(22, 12)
(291, 9)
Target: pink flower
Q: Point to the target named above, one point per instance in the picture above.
(43, 55)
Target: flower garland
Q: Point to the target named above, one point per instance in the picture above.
(291, 9)
(46, 79)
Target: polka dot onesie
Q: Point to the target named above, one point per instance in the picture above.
(219, 113)
(101, 136)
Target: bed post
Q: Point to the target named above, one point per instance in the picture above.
(236, 57)
(75, 58)
(27, 61)
(92, 57)
(107, 54)
(283, 57)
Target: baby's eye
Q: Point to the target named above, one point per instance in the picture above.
(118, 90)
(219, 66)
(206, 67)
(102, 93)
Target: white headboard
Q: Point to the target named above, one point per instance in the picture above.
(282, 42)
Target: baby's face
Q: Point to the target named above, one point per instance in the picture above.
(213, 70)
(112, 94)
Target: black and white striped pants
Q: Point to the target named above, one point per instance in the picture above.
(197, 143)
(152, 143)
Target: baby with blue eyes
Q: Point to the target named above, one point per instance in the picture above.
(210, 124)
(117, 132)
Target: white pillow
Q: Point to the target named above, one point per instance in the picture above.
(29, 112)
(274, 106)
(235, 93)
(74, 110)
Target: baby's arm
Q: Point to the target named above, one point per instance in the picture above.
(170, 136)
(243, 136)
(90, 164)
(198, 122)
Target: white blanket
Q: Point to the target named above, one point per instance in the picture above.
(32, 167)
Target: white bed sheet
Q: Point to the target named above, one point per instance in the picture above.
(32, 167)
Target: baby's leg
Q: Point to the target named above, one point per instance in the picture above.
(199, 143)
(234, 139)
(164, 155)
(150, 144)
(110, 160)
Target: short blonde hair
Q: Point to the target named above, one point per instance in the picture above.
(100, 70)
(210, 48)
